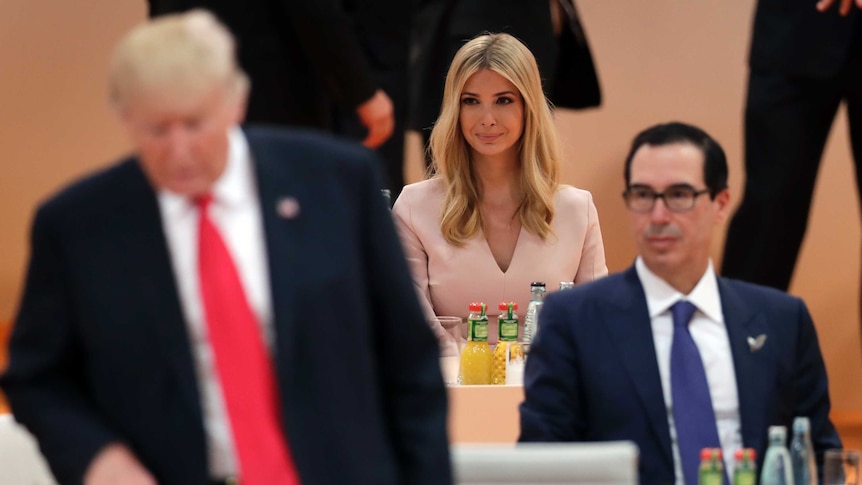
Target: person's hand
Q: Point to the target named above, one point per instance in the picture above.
(844, 9)
(116, 465)
(378, 116)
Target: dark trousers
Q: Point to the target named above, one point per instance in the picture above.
(394, 83)
(787, 121)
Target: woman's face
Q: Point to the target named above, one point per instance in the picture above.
(491, 116)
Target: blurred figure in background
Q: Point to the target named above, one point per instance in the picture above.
(383, 29)
(494, 217)
(311, 59)
(552, 30)
(225, 303)
(803, 65)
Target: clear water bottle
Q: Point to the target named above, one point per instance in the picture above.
(777, 467)
(531, 321)
(802, 453)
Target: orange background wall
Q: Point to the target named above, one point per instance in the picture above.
(658, 60)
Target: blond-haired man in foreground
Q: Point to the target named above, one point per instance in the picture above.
(224, 304)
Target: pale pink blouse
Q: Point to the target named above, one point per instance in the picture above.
(448, 277)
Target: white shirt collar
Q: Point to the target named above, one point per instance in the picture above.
(661, 296)
(230, 189)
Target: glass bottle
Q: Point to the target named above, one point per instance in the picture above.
(507, 351)
(745, 470)
(711, 471)
(802, 453)
(387, 196)
(777, 468)
(476, 355)
(531, 321)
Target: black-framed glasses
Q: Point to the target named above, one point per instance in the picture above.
(677, 198)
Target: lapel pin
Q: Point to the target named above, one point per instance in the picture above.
(756, 344)
(287, 208)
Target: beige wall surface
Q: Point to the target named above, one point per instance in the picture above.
(658, 60)
(56, 123)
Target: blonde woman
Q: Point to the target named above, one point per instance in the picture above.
(494, 217)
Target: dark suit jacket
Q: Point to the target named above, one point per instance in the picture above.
(592, 373)
(303, 56)
(100, 351)
(383, 30)
(792, 38)
(441, 27)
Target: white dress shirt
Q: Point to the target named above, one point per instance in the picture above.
(710, 335)
(235, 211)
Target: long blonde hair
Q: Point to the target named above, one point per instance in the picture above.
(539, 146)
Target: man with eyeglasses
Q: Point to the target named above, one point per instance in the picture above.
(667, 354)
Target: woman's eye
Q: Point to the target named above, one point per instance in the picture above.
(469, 101)
(505, 100)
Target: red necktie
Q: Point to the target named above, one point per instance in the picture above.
(243, 363)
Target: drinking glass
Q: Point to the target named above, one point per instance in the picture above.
(841, 467)
(515, 359)
(450, 348)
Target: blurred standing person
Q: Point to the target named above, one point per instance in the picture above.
(383, 29)
(494, 217)
(803, 65)
(225, 303)
(304, 58)
(551, 30)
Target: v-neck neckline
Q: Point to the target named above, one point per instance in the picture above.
(491, 253)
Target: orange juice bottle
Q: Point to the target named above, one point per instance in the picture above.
(476, 355)
(507, 341)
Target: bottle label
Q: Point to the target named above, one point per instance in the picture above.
(531, 321)
(479, 330)
(508, 329)
(745, 477)
(711, 477)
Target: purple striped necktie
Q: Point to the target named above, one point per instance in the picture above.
(693, 415)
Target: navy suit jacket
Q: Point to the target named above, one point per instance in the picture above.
(592, 373)
(100, 352)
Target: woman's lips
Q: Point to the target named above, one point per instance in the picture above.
(488, 137)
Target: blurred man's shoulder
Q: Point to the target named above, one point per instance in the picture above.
(113, 182)
(758, 293)
(303, 141)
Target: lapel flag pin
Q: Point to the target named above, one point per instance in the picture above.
(756, 344)
(287, 207)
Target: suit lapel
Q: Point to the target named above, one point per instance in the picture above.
(157, 296)
(281, 193)
(627, 319)
(752, 367)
